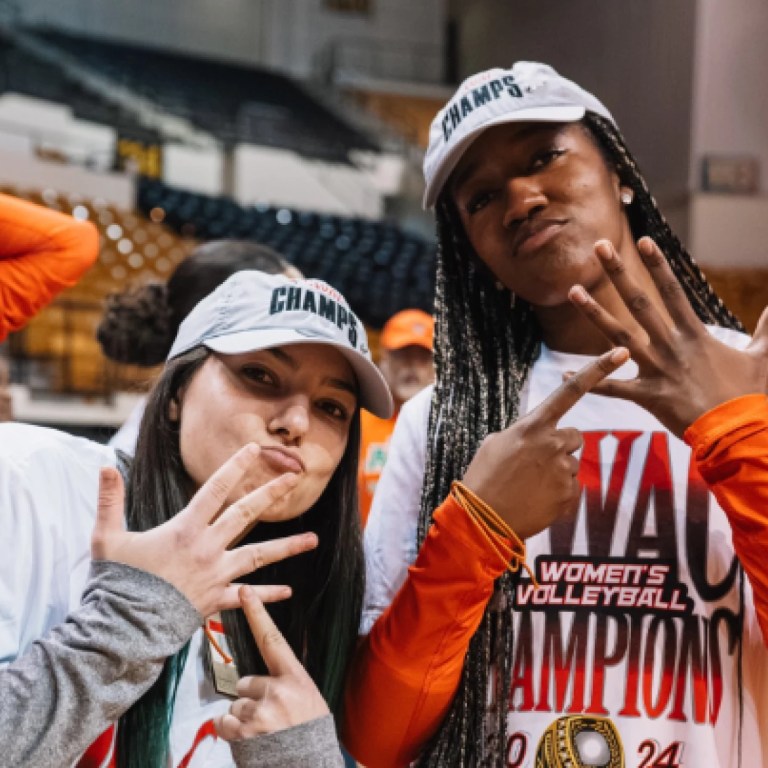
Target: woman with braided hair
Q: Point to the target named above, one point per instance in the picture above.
(633, 635)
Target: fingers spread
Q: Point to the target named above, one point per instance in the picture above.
(637, 300)
(240, 517)
(274, 648)
(251, 557)
(669, 287)
(604, 321)
(208, 501)
(576, 386)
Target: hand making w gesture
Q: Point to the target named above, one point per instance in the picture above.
(683, 371)
(193, 549)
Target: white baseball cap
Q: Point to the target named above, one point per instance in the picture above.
(252, 310)
(528, 92)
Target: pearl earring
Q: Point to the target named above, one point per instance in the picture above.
(626, 197)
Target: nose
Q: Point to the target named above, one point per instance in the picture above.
(290, 420)
(523, 196)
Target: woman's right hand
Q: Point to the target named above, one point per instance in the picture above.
(285, 697)
(192, 550)
(527, 473)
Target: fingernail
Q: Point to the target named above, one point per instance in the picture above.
(645, 245)
(578, 294)
(252, 449)
(107, 476)
(604, 249)
(619, 355)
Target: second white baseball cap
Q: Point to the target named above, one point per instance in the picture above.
(252, 310)
(529, 91)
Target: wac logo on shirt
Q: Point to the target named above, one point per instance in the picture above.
(296, 299)
(477, 97)
(646, 620)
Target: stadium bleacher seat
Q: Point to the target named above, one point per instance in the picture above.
(379, 267)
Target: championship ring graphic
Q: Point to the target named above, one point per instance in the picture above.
(580, 741)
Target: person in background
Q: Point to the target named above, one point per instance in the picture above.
(139, 325)
(405, 359)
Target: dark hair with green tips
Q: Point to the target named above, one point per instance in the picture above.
(321, 619)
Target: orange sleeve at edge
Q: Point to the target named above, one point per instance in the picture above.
(730, 444)
(42, 252)
(405, 673)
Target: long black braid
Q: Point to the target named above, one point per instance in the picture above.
(485, 342)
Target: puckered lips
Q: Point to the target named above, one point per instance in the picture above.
(532, 234)
(281, 459)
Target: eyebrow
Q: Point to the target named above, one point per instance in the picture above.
(292, 363)
(343, 384)
(284, 357)
(526, 130)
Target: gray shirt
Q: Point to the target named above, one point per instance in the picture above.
(69, 686)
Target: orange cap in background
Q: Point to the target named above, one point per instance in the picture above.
(407, 328)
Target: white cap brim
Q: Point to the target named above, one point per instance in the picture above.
(561, 113)
(375, 395)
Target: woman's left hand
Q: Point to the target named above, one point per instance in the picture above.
(287, 696)
(684, 371)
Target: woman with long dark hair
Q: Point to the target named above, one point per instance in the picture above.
(280, 363)
(634, 638)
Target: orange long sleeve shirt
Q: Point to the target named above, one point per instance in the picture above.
(407, 670)
(730, 444)
(42, 252)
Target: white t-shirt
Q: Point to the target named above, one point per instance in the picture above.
(642, 616)
(125, 438)
(49, 484)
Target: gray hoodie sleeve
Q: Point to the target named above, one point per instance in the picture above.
(309, 745)
(69, 686)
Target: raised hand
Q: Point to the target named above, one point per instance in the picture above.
(287, 696)
(527, 473)
(191, 550)
(684, 371)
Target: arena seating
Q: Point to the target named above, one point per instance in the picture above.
(379, 267)
(21, 72)
(234, 103)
